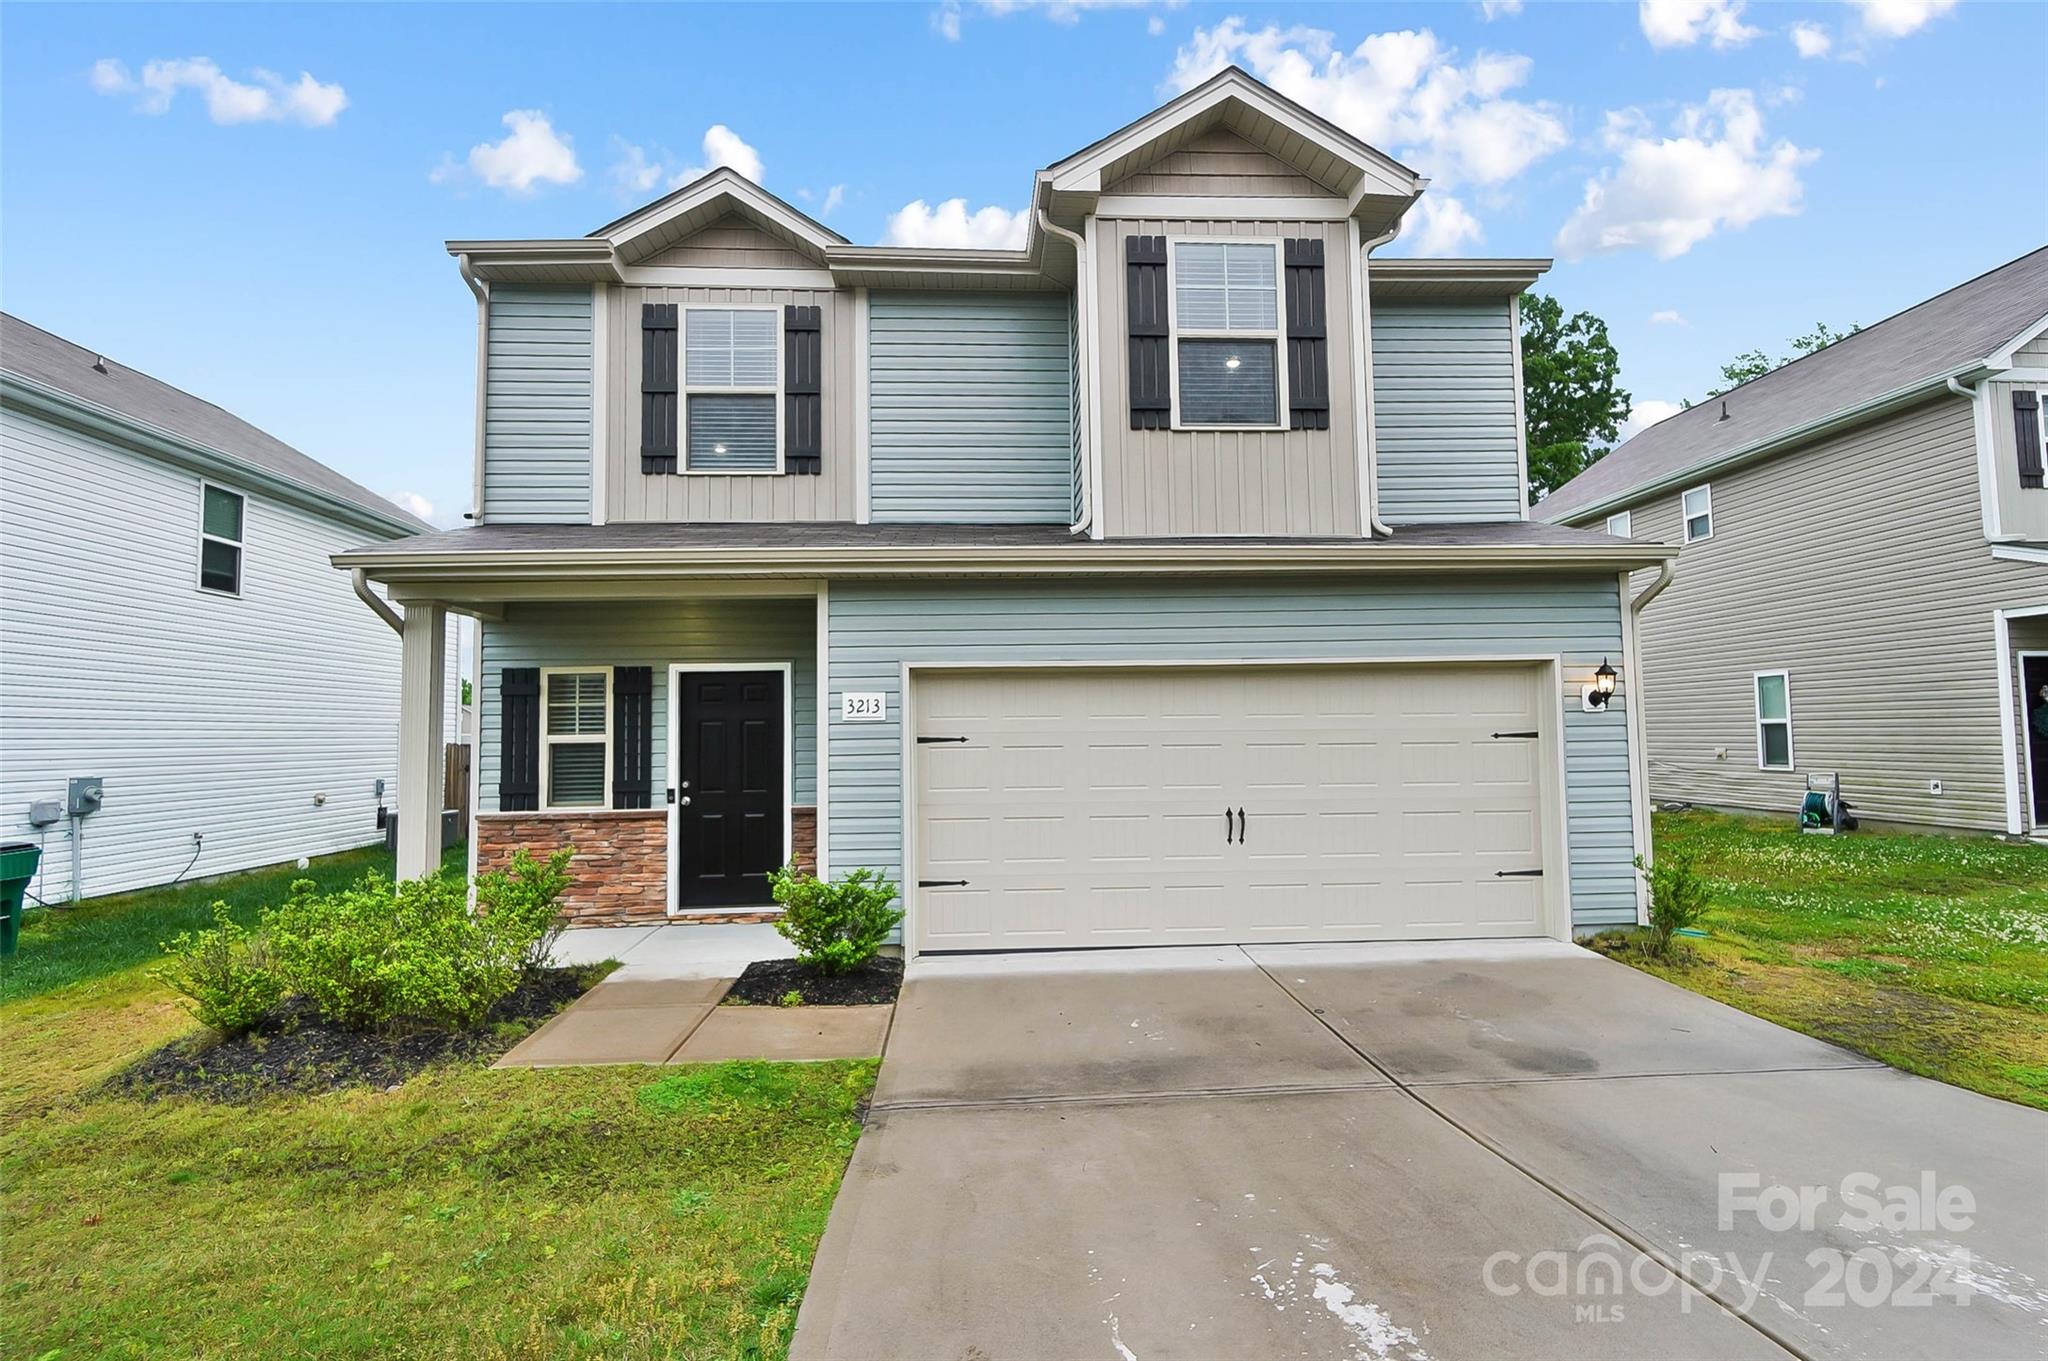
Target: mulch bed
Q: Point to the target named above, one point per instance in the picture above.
(767, 981)
(297, 1052)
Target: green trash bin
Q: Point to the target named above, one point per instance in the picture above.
(17, 866)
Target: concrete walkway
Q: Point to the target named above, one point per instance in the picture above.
(1401, 1152)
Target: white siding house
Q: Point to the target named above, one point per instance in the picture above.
(240, 711)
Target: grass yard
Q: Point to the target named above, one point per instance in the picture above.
(614, 1212)
(1928, 952)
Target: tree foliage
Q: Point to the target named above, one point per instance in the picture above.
(1751, 364)
(1570, 397)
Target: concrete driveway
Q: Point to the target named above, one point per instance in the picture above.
(1410, 1152)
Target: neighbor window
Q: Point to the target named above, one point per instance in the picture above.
(1617, 524)
(1697, 508)
(576, 738)
(1226, 333)
(220, 540)
(1773, 720)
(730, 389)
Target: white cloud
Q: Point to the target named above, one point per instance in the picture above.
(1490, 10)
(946, 20)
(950, 224)
(1404, 92)
(271, 99)
(635, 172)
(1669, 316)
(1442, 225)
(1155, 25)
(531, 153)
(418, 505)
(1647, 413)
(724, 147)
(1681, 23)
(1811, 39)
(1897, 18)
(1667, 194)
(834, 196)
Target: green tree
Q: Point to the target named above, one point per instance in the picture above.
(1752, 364)
(1570, 398)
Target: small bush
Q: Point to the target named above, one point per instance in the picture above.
(836, 927)
(1678, 898)
(523, 896)
(224, 974)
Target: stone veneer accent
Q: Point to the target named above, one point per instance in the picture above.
(619, 874)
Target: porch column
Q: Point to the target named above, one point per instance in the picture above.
(421, 669)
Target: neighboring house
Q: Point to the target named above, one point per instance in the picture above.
(1863, 586)
(170, 624)
(1048, 582)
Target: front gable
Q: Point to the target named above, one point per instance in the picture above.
(1218, 161)
(712, 202)
(734, 241)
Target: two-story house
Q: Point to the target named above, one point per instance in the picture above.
(1167, 580)
(1863, 586)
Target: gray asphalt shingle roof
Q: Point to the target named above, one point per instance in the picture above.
(55, 362)
(1937, 337)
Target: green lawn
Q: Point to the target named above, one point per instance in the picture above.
(1928, 952)
(613, 1212)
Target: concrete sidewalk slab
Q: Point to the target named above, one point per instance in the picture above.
(1534, 1013)
(680, 951)
(592, 1035)
(1653, 1152)
(1044, 1032)
(1310, 1225)
(654, 992)
(787, 1034)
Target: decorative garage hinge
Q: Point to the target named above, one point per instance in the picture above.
(1518, 874)
(922, 741)
(1518, 734)
(942, 883)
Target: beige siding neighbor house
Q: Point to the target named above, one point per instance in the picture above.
(1862, 582)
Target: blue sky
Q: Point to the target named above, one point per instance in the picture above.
(250, 201)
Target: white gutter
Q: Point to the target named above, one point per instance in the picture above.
(483, 338)
(361, 582)
(1665, 572)
(1085, 337)
(1362, 313)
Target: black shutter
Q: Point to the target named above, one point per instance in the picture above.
(1151, 378)
(1308, 335)
(803, 390)
(659, 393)
(519, 739)
(632, 736)
(2026, 435)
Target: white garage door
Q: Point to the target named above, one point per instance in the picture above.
(1059, 808)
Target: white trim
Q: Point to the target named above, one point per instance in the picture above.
(674, 721)
(2008, 735)
(475, 676)
(2013, 552)
(2030, 797)
(1685, 518)
(1221, 207)
(548, 740)
(1627, 530)
(1365, 447)
(1641, 828)
(863, 385)
(239, 545)
(1096, 345)
(722, 276)
(2003, 356)
(1549, 668)
(1277, 334)
(821, 669)
(685, 389)
(1521, 412)
(1756, 696)
(722, 182)
(600, 398)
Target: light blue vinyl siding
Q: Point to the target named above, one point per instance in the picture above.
(876, 627)
(657, 633)
(970, 408)
(1443, 378)
(537, 406)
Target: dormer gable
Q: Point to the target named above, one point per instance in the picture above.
(724, 199)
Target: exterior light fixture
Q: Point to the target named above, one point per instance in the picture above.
(1232, 362)
(1595, 696)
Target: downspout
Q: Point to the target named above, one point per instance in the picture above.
(1963, 390)
(361, 582)
(483, 334)
(1085, 336)
(1651, 592)
(1375, 526)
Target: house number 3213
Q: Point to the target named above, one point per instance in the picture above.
(863, 708)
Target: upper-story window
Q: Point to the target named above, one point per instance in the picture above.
(1618, 524)
(1226, 335)
(220, 540)
(731, 386)
(1697, 509)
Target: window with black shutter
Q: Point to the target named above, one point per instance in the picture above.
(2027, 434)
(632, 736)
(1151, 393)
(660, 396)
(803, 390)
(519, 739)
(1308, 336)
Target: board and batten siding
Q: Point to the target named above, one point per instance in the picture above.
(537, 406)
(971, 410)
(877, 627)
(732, 242)
(2022, 511)
(1445, 413)
(261, 720)
(1217, 163)
(1859, 566)
(631, 494)
(1175, 482)
(656, 634)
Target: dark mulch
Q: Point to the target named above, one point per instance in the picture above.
(298, 1052)
(767, 981)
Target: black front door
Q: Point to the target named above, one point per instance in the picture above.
(2034, 704)
(730, 803)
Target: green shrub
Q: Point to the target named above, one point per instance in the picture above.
(835, 927)
(224, 974)
(523, 895)
(1678, 898)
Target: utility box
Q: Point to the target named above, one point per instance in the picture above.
(43, 812)
(84, 795)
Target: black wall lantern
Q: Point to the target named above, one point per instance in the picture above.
(1601, 690)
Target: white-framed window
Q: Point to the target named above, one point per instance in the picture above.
(732, 390)
(1696, 508)
(1618, 524)
(1773, 719)
(1229, 362)
(220, 539)
(576, 737)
